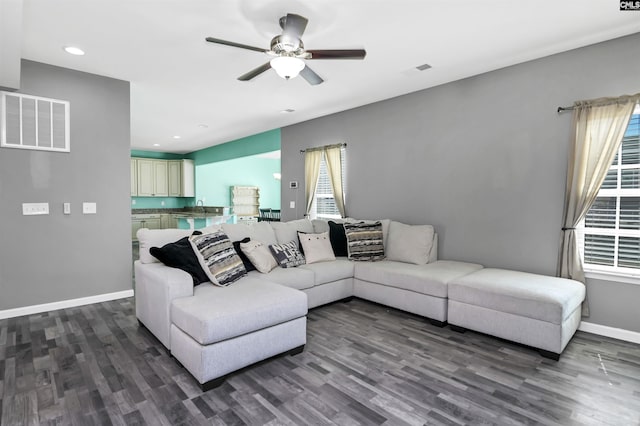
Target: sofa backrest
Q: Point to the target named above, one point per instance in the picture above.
(267, 232)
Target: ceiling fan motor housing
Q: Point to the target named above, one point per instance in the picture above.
(287, 46)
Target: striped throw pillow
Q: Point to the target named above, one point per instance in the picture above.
(364, 241)
(218, 258)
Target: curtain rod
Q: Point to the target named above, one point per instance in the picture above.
(563, 109)
(603, 101)
(341, 145)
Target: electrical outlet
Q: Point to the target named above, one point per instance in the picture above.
(292, 204)
(66, 208)
(293, 184)
(29, 209)
(89, 208)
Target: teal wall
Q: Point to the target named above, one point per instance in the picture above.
(251, 145)
(236, 163)
(156, 202)
(213, 180)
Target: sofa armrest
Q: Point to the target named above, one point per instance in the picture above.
(156, 287)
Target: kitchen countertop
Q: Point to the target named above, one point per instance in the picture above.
(186, 211)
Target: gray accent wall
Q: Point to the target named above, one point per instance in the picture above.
(483, 159)
(59, 257)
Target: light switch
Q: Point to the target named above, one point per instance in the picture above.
(89, 208)
(292, 204)
(29, 209)
(66, 208)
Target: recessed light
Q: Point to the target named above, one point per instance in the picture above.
(156, 144)
(72, 50)
(176, 137)
(287, 111)
(203, 126)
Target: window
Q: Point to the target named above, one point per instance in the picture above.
(610, 232)
(324, 205)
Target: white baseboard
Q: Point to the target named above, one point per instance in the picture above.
(63, 304)
(616, 333)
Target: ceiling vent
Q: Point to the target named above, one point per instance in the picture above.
(33, 122)
(423, 67)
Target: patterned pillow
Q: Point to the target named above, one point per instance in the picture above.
(364, 241)
(218, 258)
(287, 255)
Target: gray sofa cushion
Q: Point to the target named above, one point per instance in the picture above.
(335, 270)
(288, 231)
(431, 279)
(535, 296)
(297, 278)
(215, 314)
(261, 231)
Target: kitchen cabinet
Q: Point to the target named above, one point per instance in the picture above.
(181, 178)
(134, 177)
(162, 178)
(150, 221)
(168, 220)
(153, 180)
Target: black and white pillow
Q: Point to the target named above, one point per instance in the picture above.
(287, 255)
(218, 258)
(364, 241)
(180, 255)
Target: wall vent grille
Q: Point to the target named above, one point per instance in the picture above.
(33, 122)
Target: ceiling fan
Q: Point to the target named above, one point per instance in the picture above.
(289, 52)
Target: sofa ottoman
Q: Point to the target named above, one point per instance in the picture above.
(222, 329)
(419, 289)
(536, 310)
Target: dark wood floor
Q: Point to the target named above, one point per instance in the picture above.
(363, 364)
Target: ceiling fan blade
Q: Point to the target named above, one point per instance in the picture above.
(234, 44)
(255, 72)
(294, 25)
(310, 75)
(338, 54)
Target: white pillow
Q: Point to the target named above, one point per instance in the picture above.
(148, 238)
(316, 247)
(409, 243)
(260, 255)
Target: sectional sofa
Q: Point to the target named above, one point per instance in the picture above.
(214, 331)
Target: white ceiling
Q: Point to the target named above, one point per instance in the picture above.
(180, 82)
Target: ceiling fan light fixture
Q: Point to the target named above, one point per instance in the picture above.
(287, 66)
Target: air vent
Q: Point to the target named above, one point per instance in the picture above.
(423, 67)
(33, 122)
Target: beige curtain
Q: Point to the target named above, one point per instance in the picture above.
(333, 157)
(598, 128)
(312, 159)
